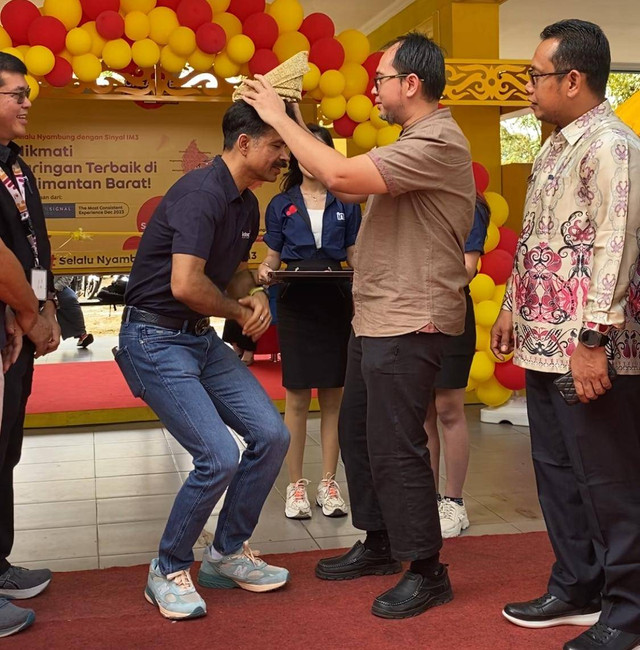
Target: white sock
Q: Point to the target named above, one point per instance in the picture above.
(213, 554)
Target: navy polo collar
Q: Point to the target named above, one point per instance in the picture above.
(9, 152)
(226, 179)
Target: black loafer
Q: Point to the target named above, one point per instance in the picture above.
(602, 637)
(358, 561)
(413, 595)
(548, 611)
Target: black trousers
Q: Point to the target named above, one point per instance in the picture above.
(388, 385)
(587, 464)
(69, 314)
(17, 388)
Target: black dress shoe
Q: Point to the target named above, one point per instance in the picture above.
(548, 611)
(358, 561)
(414, 594)
(603, 637)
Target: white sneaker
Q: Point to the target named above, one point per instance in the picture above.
(297, 504)
(453, 518)
(330, 499)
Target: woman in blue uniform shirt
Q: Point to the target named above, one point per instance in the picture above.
(310, 229)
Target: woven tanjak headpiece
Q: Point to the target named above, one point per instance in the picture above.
(286, 78)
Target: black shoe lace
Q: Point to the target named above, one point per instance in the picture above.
(600, 633)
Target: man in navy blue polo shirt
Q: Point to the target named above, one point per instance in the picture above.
(193, 250)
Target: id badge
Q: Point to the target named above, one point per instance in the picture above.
(39, 283)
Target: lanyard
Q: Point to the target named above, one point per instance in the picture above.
(19, 197)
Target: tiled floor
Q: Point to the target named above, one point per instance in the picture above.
(99, 497)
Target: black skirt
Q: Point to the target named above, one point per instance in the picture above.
(314, 323)
(458, 354)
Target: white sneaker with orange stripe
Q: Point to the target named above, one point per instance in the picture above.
(297, 504)
(330, 499)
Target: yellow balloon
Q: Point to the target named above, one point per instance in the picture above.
(219, 6)
(375, 118)
(357, 79)
(97, 42)
(230, 23)
(39, 60)
(359, 108)
(365, 135)
(498, 295)
(486, 313)
(127, 6)
(289, 14)
(498, 206)
(68, 12)
(170, 61)
(316, 94)
(182, 41)
(5, 39)
(332, 83)
(240, 48)
(483, 339)
(162, 22)
(34, 85)
(333, 108)
(471, 385)
(388, 135)
(356, 45)
(492, 392)
(492, 238)
(86, 67)
(311, 80)
(145, 53)
(78, 41)
(482, 366)
(482, 287)
(289, 44)
(200, 61)
(117, 54)
(137, 25)
(14, 51)
(66, 55)
(224, 67)
(23, 49)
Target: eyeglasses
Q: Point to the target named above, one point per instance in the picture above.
(18, 95)
(535, 75)
(377, 80)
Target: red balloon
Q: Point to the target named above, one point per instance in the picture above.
(510, 375)
(211, 38)
(148, 207)
(262, 29)
(93, 8)
(481, 177)
(48, 31)
(497, 265)
(508, 240)
(245, 8)
(344, 126)
(110, 25)
(172, 4)
(371, 63)
(327, 54)
(149, 106)
(131, 244)
(16, 17)
(193, 13)
(317, 26)
(262, 62)
(61, 75)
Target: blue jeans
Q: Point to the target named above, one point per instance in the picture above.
(197, 385)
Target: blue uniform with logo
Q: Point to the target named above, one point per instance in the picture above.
(314, 317)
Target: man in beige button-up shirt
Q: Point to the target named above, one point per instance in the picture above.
(408, 296)
(573, 304)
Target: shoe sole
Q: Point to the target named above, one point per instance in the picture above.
(453, 533)
(23, 594)
(218, 581)
(174, 616)
(385, 570)
(435, 602)
(585, 620)
(21, 626)
(298, 515)
(334, 513)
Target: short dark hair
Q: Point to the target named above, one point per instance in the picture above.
(582, 46)
(10, 63)
(423, 57)
(294, 176)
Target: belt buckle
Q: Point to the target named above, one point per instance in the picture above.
(201, 327)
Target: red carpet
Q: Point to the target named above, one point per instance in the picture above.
(106, 609)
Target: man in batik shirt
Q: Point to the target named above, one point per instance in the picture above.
(574, 304)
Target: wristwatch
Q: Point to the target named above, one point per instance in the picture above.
(594, 337)
(53, 297)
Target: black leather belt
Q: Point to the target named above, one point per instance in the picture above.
(135, 315)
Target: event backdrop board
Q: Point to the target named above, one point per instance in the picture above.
(103, 166)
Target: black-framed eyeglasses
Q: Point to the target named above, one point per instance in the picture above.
(18, 95)
(382, 77)
(535, 75)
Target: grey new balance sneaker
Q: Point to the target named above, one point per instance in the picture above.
(18, 583)
(13, 619)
